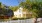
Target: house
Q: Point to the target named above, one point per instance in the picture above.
(22, 13)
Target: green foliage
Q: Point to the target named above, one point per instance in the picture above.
(0, 3)
(34, 6)
(14, 8)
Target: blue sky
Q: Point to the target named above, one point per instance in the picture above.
(10, 2)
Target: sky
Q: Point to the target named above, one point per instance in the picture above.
(10, 2)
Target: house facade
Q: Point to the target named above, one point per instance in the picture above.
(22, 13)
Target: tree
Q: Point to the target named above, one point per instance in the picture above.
(14, 8)
(34, 6)
(0, 4)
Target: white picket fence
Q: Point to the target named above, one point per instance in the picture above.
(20, 21)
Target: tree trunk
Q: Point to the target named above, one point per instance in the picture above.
(35, 20)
